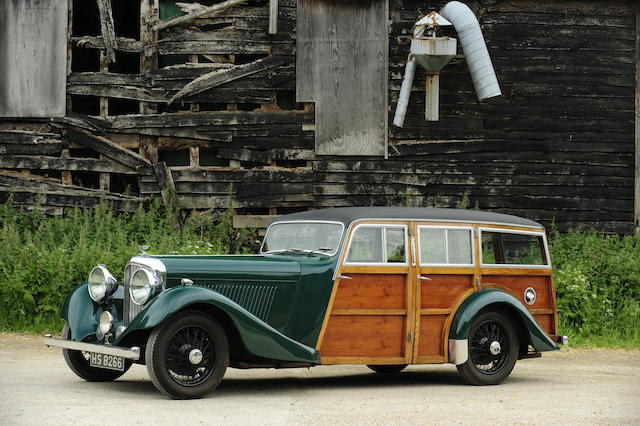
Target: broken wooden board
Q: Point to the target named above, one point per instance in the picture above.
(225, 75)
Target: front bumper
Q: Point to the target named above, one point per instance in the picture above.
(128, 353)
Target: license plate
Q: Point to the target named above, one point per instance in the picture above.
(109, 362)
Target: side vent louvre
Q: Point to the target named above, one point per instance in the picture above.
(256, 299)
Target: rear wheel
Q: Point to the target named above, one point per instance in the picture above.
(78, 362)
(187, 355)
(493, 350)
(388, 369)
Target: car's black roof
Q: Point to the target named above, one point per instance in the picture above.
(347, 215)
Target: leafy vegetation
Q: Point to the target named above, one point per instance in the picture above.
(598, 287)
(597, 276)
(44, 257)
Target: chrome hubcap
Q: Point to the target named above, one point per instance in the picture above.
(195, 356)
(495, 348)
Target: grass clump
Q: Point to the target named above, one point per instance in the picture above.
(44, 257)
(598, 287)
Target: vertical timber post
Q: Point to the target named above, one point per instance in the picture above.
(273, 16)
(636, 191)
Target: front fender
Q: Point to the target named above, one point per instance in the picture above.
(258, 337)
(481, 299)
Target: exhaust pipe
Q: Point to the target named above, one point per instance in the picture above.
(474, 47)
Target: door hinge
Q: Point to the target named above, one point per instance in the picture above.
(478, 281)
(409, 337)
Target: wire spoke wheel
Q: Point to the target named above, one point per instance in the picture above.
(181, 364)
(187, 355)
(493, 349)
(488, 347)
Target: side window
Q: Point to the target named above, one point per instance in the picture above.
(502, 248)
(445, 246)
(378, 244)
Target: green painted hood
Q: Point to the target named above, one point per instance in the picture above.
(245, 268)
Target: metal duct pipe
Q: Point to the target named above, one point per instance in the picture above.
(405, 91)
(474, 47)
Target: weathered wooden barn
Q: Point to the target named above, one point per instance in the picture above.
(285, 105)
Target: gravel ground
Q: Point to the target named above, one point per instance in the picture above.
(572, 386)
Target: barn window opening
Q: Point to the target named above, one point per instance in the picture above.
(286, 100)
(125, 184)
(126, 18)
(88, 105)
(83, 153)
(291, 164)
(126, 63)
(174, 158)
(209, 157)
(123, 106)
(86, 179)
(86, 18)
(212, 106)
(84, 60)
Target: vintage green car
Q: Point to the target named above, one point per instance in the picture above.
(378, 286)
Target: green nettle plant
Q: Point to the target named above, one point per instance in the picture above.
(597, 276)
(44, 257)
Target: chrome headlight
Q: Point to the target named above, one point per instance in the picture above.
(143, 284)
(101, 283)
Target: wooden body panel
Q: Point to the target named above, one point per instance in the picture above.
(387, 314)
(369, 336)
(372, 291)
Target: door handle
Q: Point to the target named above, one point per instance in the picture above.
(344, 277)
(425, 278)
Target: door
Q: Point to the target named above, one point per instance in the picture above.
(371, 315)
(445, 275)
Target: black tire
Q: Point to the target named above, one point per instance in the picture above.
(78, 362)
(484, 367)
(388, 369)
(168, 355)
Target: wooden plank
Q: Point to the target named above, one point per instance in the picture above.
(358, 311)
(32, 77)
(225, 75)
(108, 148)
(107, 29)
(253, 221)
(361, 360)
(273, 16)
(636, 191)
(41, 162)
(339, 29)
(372, 291)
(364, 336)
(431, 332)
(516, 285)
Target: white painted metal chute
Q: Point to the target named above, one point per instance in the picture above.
(433, 53)
(474, 48)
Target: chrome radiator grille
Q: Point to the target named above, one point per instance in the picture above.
(256, 299)
(131, 310)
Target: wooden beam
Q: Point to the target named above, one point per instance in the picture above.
(273, 16)
(107, 29)
(198, 13)
(218, 77)
(636, 192)
(107, 147)
(168, 192)
(253, 221)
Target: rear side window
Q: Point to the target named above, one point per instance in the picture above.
(506, 248)
(445, 246)
(378, 244)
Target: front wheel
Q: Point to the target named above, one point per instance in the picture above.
(187, 355)
(78, 362)
(493, 350)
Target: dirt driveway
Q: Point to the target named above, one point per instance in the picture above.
(566, 387)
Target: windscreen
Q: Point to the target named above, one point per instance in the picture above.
(303, 236)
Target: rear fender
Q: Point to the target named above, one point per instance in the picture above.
(257, 336)
(485, 299)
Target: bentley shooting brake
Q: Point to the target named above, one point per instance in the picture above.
(379, 286)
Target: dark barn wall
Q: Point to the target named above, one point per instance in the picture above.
(558, 144)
